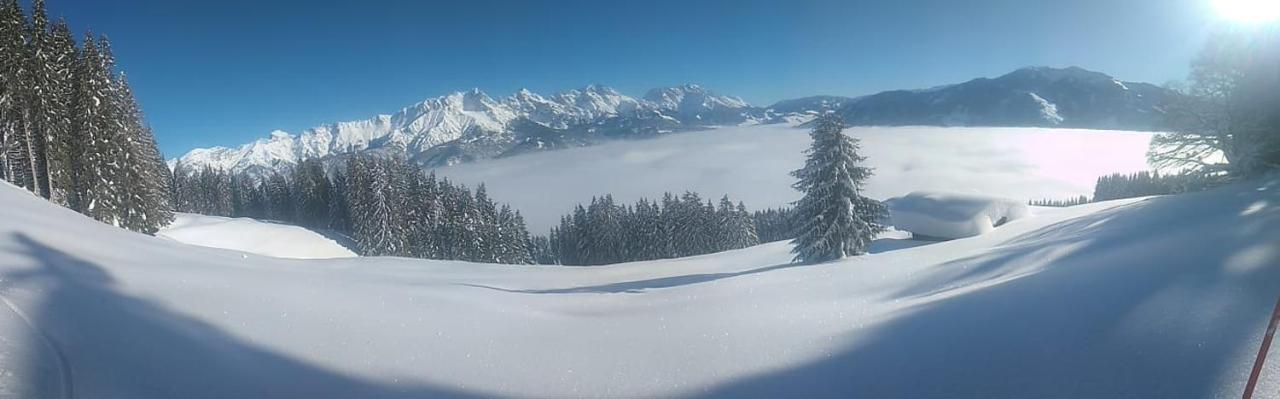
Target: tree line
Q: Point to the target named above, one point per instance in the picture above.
(1141, 184)
(1057, 203)
(774, 224)
(388, 206)
(71, 130)
(606, 232)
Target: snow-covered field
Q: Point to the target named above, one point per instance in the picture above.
(253, 236)
(1161, 297)
(751, 163)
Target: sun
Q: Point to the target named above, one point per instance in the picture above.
(1249, 11)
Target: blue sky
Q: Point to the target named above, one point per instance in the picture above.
(226, 72)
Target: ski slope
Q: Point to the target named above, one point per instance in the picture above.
(1158, 297)
(253, 236)
(752, 164)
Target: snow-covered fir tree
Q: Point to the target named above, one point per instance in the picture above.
(71, 130)
(834, 219)
(606, 232)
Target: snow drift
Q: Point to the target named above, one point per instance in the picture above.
(1164, 297)
(936, 214)
(253, 236)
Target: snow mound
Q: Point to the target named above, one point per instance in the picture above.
(946, 215)
(249, 235)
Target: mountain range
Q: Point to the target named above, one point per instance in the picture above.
(471, 125)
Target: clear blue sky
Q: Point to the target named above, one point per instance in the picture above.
(225, 72)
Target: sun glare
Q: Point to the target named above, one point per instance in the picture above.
(1248, 11)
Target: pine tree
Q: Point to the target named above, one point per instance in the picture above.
(15, 87)
(339, 208)
(58, 62)
(100, 124)
(43, 98)
(313, 192)
(741, 230)
(835, 219)
(376, 208)
(485, 217)
(143, 181)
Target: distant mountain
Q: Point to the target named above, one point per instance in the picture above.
(812, 103)
(471, 125)
(465, 126)
(1037, 96)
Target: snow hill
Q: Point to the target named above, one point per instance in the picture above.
(752, 164)
(253, 236)
(467, 126)
(1158, 297)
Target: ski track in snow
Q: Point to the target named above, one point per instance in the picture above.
(65, 383)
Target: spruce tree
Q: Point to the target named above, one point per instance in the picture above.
(15, 86)
(835, 220)
(59, 55)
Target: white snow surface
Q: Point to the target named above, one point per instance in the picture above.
(752, 164)
(952, 215)
(1161, 297)
(253, 236)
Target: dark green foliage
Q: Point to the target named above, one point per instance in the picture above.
(386, 206)
(833, 219)
(70, 128)
(1142, 184)
(605, 232)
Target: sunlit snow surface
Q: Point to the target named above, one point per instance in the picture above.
(1163, 297)
(752, 163)
(253, 236)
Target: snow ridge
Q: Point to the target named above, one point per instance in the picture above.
(470, 115)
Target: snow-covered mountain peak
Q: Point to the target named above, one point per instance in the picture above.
(467, 116)
(692, 97)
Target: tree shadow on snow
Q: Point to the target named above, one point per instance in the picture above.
(118, 346)
(882, 245)
(638, 286)
(1155, 299)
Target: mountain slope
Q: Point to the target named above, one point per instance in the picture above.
(1164, 297)
(1037, 96)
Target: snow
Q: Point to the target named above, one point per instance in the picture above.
(1048, 110)
(1159, 297)
(953, 215)
(751, 164)
(252, 236)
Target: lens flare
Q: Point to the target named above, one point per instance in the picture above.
(1249, 11)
